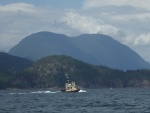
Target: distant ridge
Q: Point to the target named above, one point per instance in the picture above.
(3, 51)
(91, 48)
(109, 52)
(13, 63)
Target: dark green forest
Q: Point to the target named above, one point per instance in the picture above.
(49, 72)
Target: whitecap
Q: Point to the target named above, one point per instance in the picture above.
(81, 91)
(43, 92)
(35, 92)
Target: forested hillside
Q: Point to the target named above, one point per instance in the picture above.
(13, 63)
(49, 72)
(10, 66)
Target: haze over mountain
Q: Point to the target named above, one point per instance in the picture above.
(91, 48)
(43, 44)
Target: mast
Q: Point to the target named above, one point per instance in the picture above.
(67, 78)
(70, 86)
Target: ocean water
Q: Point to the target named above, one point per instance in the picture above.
(86, 101)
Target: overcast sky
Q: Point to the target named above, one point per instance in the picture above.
(127, 21)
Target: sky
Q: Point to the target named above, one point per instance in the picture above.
(127, 21)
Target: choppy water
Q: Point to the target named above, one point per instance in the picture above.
(89, 101)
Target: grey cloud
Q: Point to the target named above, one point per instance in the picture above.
(126, 23)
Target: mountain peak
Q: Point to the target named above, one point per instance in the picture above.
(96, 49)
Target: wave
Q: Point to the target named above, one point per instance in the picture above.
(36, 92)
(44, 92)
(81, 91)
(41, 92)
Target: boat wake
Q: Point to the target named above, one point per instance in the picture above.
(45, 92)
(82, 91)
(40, 92)
(36, 92)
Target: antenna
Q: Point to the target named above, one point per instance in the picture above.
(67, 77)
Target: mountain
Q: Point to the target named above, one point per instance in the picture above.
(43, 44)
(91, 48)
(49, 72)
(109, 52)
(9, 67)
(3, 51)
(13, 63)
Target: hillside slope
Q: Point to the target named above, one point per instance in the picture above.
(49, 72)
(9, 67)
(109, 52)
(92, 48)
(43, 44)
(13, 63)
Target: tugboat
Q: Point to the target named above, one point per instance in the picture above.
(70, 86)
